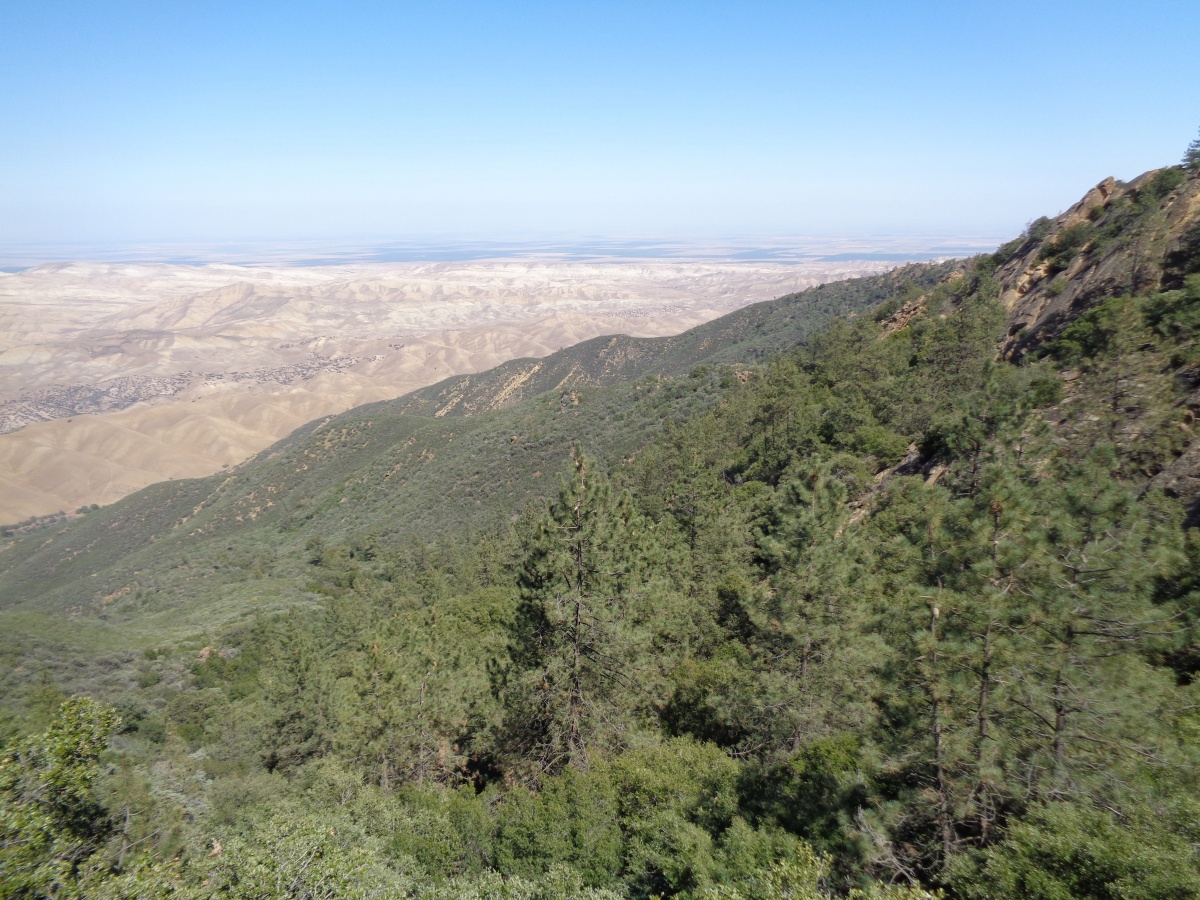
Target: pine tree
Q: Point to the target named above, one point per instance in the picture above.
(296, 688)
(1091, 563)
(573, 678)
(1191, 158)
(397, 710)
(811, 648)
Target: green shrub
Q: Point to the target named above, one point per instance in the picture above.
(50, 817)
(1165, 182)
(573, 820)
(1065, 851)
(1005, 252)
(1045, 390)
(1066, 245)
(880, 442)
(1057, 286)
(1038, 228)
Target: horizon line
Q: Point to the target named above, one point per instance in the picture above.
(780, 249)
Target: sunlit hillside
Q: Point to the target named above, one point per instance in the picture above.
(881, 589)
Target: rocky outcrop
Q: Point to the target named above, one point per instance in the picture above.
(902, 317)
(1120, 238)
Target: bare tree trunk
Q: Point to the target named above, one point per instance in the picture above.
(935, 722)
(1060, 720)
(576, 701)
(981, 737)
(124, 840)
(423, 752)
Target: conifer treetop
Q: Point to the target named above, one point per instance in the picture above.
(1191, 158)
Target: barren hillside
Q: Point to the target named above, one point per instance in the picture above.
(113, 376)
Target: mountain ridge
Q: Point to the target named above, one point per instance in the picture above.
(1024, 269)
(829, 599)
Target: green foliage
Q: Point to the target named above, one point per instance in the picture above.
(1066, 851)
(1056, 286)
(1038, 228)
(1092, 333)
(1130, 347)
(798, 876)
(1059, 252)
(50, 819)
(1166, 181)
(1007, 251)
(302, 857)
(572, 821)
(1191, 157)
(559, 883)
(874, 616)
(580, 629)
(1184, 258)
(672, 799)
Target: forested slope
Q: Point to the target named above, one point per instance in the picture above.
(395, 469)
(902, 609)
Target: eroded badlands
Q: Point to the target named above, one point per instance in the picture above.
(113, 377)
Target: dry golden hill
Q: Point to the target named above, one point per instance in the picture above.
(116, 376)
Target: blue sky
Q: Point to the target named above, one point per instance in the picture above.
(214, 121)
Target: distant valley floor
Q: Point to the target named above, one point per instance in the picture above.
(116, 376)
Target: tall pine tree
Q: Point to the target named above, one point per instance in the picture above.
(576, 677)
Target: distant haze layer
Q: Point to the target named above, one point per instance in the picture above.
(115, 376)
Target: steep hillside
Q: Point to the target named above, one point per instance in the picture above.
(907, 609)
(1119, 239)
(114, 377)
(742, 337)
(417, 477)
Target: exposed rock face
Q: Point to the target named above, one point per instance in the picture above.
(904, 315)
(1119, 239)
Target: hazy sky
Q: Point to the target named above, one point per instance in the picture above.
(205, 121)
